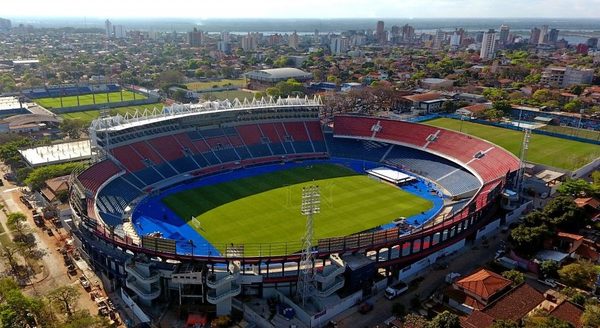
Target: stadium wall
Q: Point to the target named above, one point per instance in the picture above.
(586, 169)
(84, 108)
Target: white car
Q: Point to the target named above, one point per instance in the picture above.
(397, 290)
(549, 282)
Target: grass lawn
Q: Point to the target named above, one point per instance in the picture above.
(231, 95)
(582, 133)
(99, 98)
(266, 208)
(5, 240)
(211, 84)
(557, 152)
(89, 115)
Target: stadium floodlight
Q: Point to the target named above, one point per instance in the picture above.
(311, 205)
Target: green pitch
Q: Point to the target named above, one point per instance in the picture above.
(89, 99)
(551, 151)
(266, 208)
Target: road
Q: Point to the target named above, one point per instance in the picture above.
(463, 262)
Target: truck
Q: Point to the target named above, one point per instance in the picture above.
(84, 282)
(396, 290)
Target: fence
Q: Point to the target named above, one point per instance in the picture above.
(109, 105)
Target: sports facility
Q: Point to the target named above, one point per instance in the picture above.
(546, 150)
(263, 205)
(89, 99)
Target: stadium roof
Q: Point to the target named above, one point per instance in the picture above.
(8, 103)
(59, 153)
(279, 74)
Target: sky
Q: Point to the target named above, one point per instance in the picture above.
(203, 9)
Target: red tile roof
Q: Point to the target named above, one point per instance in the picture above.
(515, 304)
(483, 283)
(571, 236)
(423, 97)
(568, 312)
(476, 319)
(477, 108)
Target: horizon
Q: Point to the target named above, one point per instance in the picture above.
(308, 9)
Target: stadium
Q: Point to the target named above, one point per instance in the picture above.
(200, 205)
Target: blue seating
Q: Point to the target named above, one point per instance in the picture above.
(357, 149)
(211, 158)
(227, 155)
(277, 148)
(184, 164)
(148, 176)
(113, 199)
(302, 147)
(166, 170)
(243, 152)
(259, 150)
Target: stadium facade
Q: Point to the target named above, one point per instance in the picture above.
(145, 153)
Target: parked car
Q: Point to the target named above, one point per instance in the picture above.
(549, 282)
(396, 290)
(72, 270)
(84, 283)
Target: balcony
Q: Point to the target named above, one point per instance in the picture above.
(213, 298)
(141, 292)
(219, 279)
(135, 271)
(339, 283)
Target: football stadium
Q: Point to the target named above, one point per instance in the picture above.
(206, 203)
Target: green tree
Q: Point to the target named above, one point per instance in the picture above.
(549, 268)
(542, 95)
(576, 188)
(515, 276)
(502, 106)
(73, 127)
(533, 78)
(542, 320)
(64, 298)
(83, 319)
(563, 213)
(495, 94)
(445, 319)
(36, 178)
(17, 222)
(573, 106)
(504, 324)
(528, 240)
(412, 320)
(591, 316)
(579, 274)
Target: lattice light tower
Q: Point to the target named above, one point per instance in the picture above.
(522, 156)
(311, 205)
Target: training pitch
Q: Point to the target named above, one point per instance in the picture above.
(546, 150)
(89, 99)
(266, 208)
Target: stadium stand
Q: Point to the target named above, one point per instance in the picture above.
(97, 174)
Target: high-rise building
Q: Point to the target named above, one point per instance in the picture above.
(119, 31)
(225, 36)
(455, 39)
(503, 37)
(535, 35)
(5, 25)
(543, 35)
(592, 42)
(488, 45)
(566, 76)
(249, 42)
(339, 45)
(224, 47)
(293, 41)
(108, 30)
(195, 38)
(553, 36)
(380, 33)
(395, 34)
(438, 40)
(408, 33)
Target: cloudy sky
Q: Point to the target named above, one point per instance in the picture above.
(302, 8)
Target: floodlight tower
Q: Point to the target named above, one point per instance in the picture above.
(522, 156)
(311, 205)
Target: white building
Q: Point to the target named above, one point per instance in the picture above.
(249, 42)
(504, 31)
(488, 45)
(566, 76)
(543, 35)
(108, 28)
(339, 45)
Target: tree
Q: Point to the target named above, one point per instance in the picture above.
(65, 299)
(504, 324)
(542, 320)
(445, 319)
(591, 316)
(515, 276)
(412, 320)
(549, 268)
(528, 240)
(576, 188)
(495, 94)
(579, 274)
(573, 106)
(563, 213)
(169, 77)
(73, 127)
(17, 222)
(542, 95)
(502, 106)
(36, 178)
(83, 319)
(18, 310)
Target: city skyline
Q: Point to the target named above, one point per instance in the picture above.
(310, 9)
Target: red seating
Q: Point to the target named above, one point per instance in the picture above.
(314, 131)
(129, 158)
(186, 142)
(147, 152)
(97, 174)
(250, 134)
(297, 130)
(493, 165)
(167, 147)
(270, 131)
(216, 142)
(236, 141)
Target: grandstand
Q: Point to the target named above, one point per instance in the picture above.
(147, 156)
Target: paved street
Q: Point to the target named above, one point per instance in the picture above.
(462, 262)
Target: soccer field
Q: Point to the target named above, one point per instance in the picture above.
(89, 115)
(546, 150)
(100, 98)
(266, 208)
